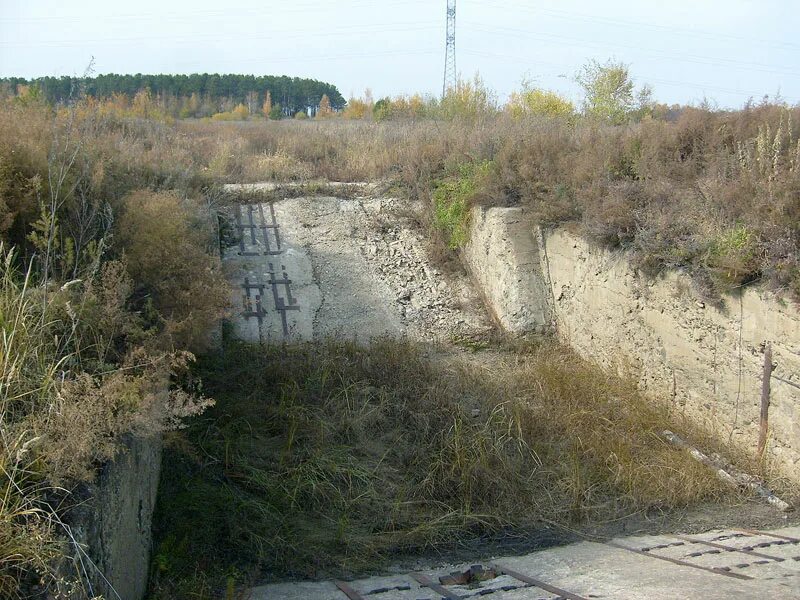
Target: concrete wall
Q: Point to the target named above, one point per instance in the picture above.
(502, 254)
(706, 361)
(114, 522)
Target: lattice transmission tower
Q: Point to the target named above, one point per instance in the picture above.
(450, 73)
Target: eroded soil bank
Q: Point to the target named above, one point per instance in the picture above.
(704, 360)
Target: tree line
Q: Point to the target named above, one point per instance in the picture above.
(195, 95)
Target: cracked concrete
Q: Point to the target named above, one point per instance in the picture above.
(346, 268)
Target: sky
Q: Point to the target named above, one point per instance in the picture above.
(723, 51)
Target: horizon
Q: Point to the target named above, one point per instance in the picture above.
(729, 51)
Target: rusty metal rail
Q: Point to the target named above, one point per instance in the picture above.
(348, 590)
(727, 548)
(786, 538)
(425, 581)
(537, 583)
(677, 561)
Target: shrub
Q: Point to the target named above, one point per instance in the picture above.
(165, 241)
(72, 381)
(609, 92)
(734, 257)
(276, 112)
(469, 100)
(540, 103)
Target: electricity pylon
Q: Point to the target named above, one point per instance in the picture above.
(450, 73)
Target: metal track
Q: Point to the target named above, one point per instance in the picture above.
(537, 583)
(250, 227)
(728, 548)
(348, 591)
(425, 581)
(677, 561)
(250, 220)
(772, 535)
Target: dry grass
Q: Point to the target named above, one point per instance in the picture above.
(673, 192)
(296, 456)
(66, 397)
(711, 192)
(86, 351)
(330, 459)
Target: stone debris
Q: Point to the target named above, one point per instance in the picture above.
(356, 267)
(428, 300)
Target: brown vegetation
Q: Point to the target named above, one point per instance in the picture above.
(713, 192)
(330, 459)
(103, 289)
(112, 278)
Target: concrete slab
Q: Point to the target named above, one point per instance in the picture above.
(592, 570)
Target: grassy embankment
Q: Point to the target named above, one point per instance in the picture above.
(711, 192)
(333, 459)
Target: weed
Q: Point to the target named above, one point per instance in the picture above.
(452, 198)
(734, 257)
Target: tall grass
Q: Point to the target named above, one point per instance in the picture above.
(27, 541)
(331, 459)
(87, 351)
(672, 189)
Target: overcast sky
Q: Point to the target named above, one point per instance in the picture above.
(726, 50)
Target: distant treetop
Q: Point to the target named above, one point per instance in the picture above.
(293, 93)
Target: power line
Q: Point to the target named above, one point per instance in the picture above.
(587, 43)
(620, 22)
(346, 31)
(450, 72)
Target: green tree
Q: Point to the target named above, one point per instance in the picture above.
(382, 109)
(276, 112)
(610, 92)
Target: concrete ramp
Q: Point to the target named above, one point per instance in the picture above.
(310, 268)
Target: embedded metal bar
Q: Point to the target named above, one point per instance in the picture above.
(248, 311)
(682, 563)
(240, 228)
(275, 222)
(768, 534)
(280, 304)
(286, 281)
(728, 548)
(252, 224)
(441, 590)
(348, 591)
(265, 227)
(539, 584)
